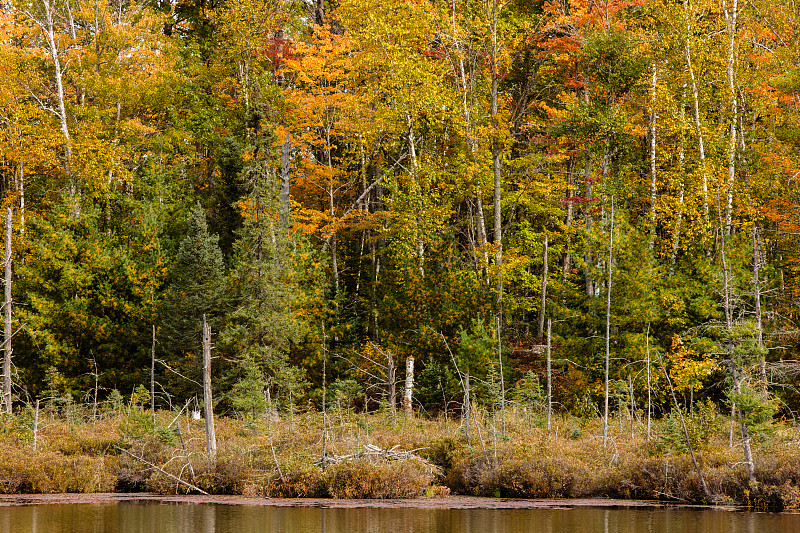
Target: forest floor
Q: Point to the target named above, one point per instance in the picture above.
(392, 456)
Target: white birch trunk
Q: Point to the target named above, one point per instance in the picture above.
(730, 23)
(698, 125)
(653, 118)
(408, 391)
(8, 331)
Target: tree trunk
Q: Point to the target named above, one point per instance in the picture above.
(208, 402)
(412, 149)
(286, 149)
(587, 181)
(35, 426)
(730, 23)
(633, 404)
(697, 123)
(319, 12)
(549, 376)
(608, 325)
(324, 461)
(152, 378)
(391, 382)
(48, 27)
(408, 391)
(676, 236)
(568, 221)
(22, 198)
(653, 117)
(482, 238)
(762, 368)
(542, 308)
(498, 219)
(467, 406)
(649, 385)
(8, 331)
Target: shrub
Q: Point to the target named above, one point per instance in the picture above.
(301, 479)
(378, 479)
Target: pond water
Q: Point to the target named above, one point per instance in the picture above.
(168, 517)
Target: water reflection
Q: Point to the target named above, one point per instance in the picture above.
(150, 517)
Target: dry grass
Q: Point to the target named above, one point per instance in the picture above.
(281, 459)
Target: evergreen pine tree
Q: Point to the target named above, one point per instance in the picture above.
(197, 288)
(259, 327)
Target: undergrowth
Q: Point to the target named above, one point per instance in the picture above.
(281, 457)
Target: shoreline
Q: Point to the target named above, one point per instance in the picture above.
(448, 502)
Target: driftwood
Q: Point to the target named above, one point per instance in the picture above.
(151, 465)
(373, 452)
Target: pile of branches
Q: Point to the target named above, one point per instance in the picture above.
(373, 452)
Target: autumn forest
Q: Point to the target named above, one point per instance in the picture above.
(602, 189)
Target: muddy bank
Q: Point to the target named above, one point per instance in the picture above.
(450, 502)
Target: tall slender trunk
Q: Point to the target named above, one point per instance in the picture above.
(608, 325)
(48, 27)
(152, 378)
(587, 180)
(391, 382)
(8, 330)
(568, 222)
(735, 372)
(730, 23)
(467, 406)
(324, 460)
(676, 236)
(482, 238)
(208, 402)
(633, 403)
(460, 73)
(542, 306)
(698, 125)
(498, 219)
(762, 368)
(332, 209)
(549, 375)
(649, 393)
(286, 151)
(415, 178)
(22, 197)
(653, 118)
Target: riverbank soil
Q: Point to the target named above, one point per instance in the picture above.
(446, 502)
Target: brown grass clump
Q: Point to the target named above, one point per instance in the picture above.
(517, 477)
(24, 472)
(301, 479)
(361, 479)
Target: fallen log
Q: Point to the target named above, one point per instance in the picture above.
(151, 465)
